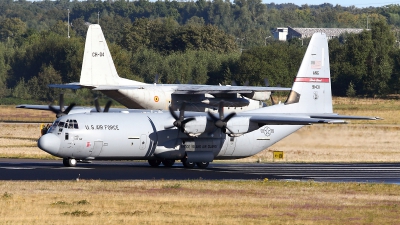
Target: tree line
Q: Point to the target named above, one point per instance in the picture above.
(200, 42)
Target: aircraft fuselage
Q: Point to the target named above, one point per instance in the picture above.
(143, 136)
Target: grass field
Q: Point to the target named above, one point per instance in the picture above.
(197, 202)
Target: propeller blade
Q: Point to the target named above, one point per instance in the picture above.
(229, 117)
(72, 105)
(212, 116)
(272, 99)
(179, 121)
(107, 107)
(246, 83)
(266, 82)
(182, 111)
(54, 110)
(229, 130)
(156, 79)
(187, 120)
(173, 113)
(96, 104)
(60, 112)
(233, 83)
(61, 101)
(221, 109)
(222, 122)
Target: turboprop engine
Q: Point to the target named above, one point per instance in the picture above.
(238, 126)
(192, 126)
(196, 127)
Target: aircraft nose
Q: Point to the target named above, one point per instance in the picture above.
(49, 143)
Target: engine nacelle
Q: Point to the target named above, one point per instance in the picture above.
(196, 127)
(259, 95)
(240, 126)
(170, 150)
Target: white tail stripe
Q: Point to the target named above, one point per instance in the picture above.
(311, 79)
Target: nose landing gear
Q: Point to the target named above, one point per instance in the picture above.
(69, 162)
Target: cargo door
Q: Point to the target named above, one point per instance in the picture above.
(96, 150)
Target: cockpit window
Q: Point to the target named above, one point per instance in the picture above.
(70, 124)
(53, 126)
(75, 124)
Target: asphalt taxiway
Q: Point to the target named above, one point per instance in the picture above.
(32, 169)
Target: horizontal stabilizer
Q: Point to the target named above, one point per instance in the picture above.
(67, 86)
(115, 87)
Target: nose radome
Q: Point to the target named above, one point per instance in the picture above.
(49, 143)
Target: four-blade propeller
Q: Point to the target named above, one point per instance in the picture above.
(222, 122)
(179, 121)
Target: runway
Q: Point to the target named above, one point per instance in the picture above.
(31, 169)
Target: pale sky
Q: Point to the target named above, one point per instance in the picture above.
(356, 3)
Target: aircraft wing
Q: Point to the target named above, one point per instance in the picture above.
(213, 89)
(179, 88)
(290, 120)
(343, 117)
(36, 107)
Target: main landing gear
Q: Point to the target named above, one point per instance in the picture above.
(68, 162)
(170, 163)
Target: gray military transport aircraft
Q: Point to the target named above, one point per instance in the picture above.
(99, 73)
(197, 138)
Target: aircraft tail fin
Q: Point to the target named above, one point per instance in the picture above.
(98, 66)
(311, 91)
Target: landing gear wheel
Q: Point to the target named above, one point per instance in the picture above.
(202, 164)
(154, 162)
(168, 162)
(68, 162)
(188, 164)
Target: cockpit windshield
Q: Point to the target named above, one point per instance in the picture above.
(60, 125)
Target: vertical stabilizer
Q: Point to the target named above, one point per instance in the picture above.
(98, 66)
(311, 91)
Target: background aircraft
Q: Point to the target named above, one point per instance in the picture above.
(99, 73)
(198, 137)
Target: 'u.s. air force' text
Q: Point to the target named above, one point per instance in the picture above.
(101, 127)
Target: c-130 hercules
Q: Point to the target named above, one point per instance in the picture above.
(197, 138)
(99, 73)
